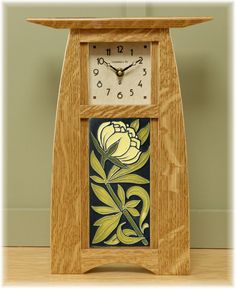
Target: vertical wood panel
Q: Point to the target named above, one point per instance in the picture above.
(155, 71)
(84, 149)
(65, 202)
(154, 148)
(173, 219)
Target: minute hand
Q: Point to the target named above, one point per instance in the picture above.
(132, 64)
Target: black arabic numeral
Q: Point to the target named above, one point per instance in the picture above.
(120, 95)
(140, 60)
(131, 52)
(140, 83)
(144, 71)
(95, 71)
(131, 92)
(108, 91)
(108, 51)
(99, 84)
(100, 60)
(120, 49)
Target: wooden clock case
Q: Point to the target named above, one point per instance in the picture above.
(168, 252)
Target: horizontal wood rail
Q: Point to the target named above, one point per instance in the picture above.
(110, 111)
(144, 257)
(119, 34)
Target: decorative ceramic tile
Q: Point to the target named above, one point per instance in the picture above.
(119, 182)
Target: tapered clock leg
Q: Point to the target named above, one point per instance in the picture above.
(65, 203)
(173, 216)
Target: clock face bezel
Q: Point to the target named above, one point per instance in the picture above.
(132, 60)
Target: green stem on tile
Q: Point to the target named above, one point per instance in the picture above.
(119, 205)
(126, 214)
(103, 160)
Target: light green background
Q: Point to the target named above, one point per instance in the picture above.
(33, 58)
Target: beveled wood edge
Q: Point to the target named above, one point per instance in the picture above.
(107, 23)
(113, 111)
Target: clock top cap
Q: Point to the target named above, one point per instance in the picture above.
(107, 23)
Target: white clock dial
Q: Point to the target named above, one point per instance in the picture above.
(119, 73)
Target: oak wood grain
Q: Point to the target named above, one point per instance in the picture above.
(108, 23)
(155, 70)
(142, 257)
(65, 200)
(84, 148)
(173, 199)
(113, 111)
(118, 35)
(154, 188)
(84, 177)
(154, 147)
(31, 266)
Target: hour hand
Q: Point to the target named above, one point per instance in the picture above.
(112, 67)
(119, 71)
(109, 65)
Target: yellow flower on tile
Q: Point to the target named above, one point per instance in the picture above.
(128, 143)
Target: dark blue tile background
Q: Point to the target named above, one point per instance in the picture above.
(144, 172)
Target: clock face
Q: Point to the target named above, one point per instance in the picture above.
(119, 73)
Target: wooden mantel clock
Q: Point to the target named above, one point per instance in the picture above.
(119, 180)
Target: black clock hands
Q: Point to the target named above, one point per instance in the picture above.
(127, 67)
(120, 71)
(132, 64)
(112, 67)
